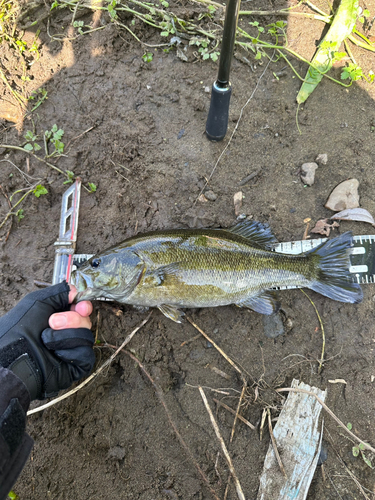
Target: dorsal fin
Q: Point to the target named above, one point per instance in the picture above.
(256, 232)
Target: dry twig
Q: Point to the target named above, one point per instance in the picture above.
(240, 494)
(274, 445)
(160, 395)
(240, 417)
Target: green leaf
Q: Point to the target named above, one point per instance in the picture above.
(349, 426)
(36, 147)
(164, 33)
(147, 57)
(92, 187)
(19, 215)
(40, 190)
(28, 147)
(361, 446)
(29, 136)
(367, 461)
(366, 13)
(258, 55)
(355, 451)
(59, 146)
(58, 134)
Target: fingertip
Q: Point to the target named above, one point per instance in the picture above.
(83, 308)
(72, 293)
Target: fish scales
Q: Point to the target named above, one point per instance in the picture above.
(213, 267)
(213, 271)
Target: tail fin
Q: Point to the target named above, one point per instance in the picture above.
(334, 280)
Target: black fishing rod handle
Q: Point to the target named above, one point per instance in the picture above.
(218, 115)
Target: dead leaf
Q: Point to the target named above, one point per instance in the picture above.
(355, 214)
(337, 381)
(322, 227)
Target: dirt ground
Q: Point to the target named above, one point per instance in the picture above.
(136, 130)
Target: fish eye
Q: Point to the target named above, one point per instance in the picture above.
(95, 263)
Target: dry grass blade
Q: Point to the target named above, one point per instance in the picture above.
(160, 395)
(240, 494)
(238, 411)
(341, 424)
(246, 422)
(322, 328)
(93, 375)
(216, 347)
(274, 445)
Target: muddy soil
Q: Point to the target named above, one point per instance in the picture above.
(136, 130)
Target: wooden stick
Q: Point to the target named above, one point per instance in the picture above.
(240, 494)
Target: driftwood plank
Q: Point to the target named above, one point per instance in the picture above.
(298, 443)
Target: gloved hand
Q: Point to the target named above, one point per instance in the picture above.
(47, 351)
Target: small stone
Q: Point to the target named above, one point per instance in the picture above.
(237, 199)
(116, 453)
(308, 173)
(202, 198)
(344, 196)
(210, 195)
(322, 159)
(273, 325)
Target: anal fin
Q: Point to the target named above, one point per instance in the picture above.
(171, 312)
(265, 303)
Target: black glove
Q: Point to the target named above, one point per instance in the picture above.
(45, 360)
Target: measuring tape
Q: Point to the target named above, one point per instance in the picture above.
(362, 253)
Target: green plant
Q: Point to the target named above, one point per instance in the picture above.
(79, 25)
(39, 191)
(70, 176)
(12, 495)
(148, 57)
(356, 450)
(111, 7)
(40, 96)
(31, 145)
(92, 187)
(203, 50)
(19, 214)
(53, 136)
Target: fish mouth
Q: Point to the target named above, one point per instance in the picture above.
(84, 291)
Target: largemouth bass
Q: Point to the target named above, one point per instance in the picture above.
(185, 268)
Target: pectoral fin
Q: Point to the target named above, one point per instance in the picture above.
(265, 303)
(171, 312)
(163, 273)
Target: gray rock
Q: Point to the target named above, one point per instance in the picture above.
(308, 173)
(273, 325)
(210, 195)
(322, 159)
